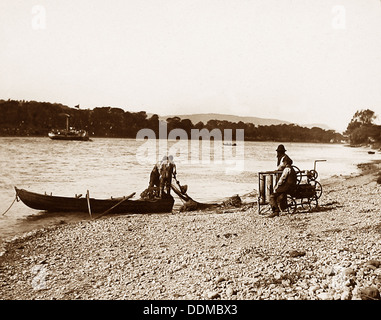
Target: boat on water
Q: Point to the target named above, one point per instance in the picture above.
(69, 133)
(120, 205)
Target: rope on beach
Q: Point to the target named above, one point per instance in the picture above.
(15, 199)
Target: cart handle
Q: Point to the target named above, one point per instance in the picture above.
(318, 161)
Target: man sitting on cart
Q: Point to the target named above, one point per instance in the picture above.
(281, 157)
(285, 184)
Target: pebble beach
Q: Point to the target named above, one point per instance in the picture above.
(332, 253)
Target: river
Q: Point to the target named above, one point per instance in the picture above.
(117, 167)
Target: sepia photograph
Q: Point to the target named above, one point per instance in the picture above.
(190, 156)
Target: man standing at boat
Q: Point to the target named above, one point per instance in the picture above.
(167, 170)
(154, 182)
(172, 171)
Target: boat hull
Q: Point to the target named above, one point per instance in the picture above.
(67, 204)
(69, 138)
(54, 136)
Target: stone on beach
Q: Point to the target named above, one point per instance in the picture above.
(370, 293)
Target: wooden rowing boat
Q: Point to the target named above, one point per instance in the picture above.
(72, 204)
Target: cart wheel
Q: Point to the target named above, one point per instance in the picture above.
(313, 202)
(305, 204)
(299, 174)
(313, 174)
(291, 204)
(318, 188)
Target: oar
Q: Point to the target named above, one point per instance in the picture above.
(181, 195)
(180, 187)
(88, 203)
(107, 211)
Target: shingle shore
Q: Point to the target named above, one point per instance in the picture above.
(333, 253)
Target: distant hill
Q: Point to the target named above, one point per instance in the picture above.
(319, 125)
(205, 117)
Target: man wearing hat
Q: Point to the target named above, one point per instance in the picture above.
(282, 157)
(286, 183)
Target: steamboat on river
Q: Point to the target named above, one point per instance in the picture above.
(69, 133)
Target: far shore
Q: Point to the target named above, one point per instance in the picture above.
(332, 253)
(170, 139)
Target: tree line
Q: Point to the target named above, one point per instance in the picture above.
(32, 118)
(362, 129)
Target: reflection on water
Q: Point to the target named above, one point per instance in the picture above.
(116, 167)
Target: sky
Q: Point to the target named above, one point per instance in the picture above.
(303, 61)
